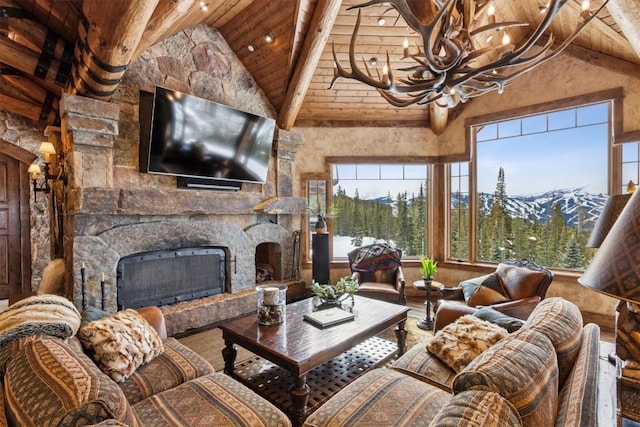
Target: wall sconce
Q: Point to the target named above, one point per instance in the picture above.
(41, 178)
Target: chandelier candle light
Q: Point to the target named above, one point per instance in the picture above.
(459, 56)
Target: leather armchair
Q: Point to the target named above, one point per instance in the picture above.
(378, 271)
(523, 285)
(382, 284)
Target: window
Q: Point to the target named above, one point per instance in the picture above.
(630, 164)
(534, 188)
(372, 202)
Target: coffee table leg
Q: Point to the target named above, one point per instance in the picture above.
(299, 398)
(229, 353)
(401, 335)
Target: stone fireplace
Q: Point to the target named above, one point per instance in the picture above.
(171, 276)
(109, 219)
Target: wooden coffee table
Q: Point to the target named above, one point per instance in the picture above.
(299, 347)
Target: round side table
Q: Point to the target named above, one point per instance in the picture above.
(427, 322)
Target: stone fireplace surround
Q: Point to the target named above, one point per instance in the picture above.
(103, 251)
(108, 215)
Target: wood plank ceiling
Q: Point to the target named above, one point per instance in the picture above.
(79, 38)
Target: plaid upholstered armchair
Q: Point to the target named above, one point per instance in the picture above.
(378, 270)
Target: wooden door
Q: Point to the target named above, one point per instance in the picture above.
(10, 227)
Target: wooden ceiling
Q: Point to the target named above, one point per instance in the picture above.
(48, 47)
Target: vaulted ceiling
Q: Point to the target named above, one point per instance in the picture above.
(48, 47)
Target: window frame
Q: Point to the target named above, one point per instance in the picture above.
(614, 163)
(427, 161)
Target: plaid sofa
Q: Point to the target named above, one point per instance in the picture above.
(50, 381)
(545, 374)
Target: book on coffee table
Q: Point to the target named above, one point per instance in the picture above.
(328, 317)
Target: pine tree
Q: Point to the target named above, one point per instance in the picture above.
(573, 255)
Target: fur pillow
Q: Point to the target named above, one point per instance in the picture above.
(458, 343)
(120, 343)
(53, 279)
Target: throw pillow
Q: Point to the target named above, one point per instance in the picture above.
(458, 343)
(91, 314)
(485, 290)
(511, 324)
(120, 343)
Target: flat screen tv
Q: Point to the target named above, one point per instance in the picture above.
(191, 137)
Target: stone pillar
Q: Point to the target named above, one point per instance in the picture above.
(285, 147)
(89, 129)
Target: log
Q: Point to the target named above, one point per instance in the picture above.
(26, 109)
(438, 118)
(168, 18)
(32, 90)
(28, 61)
(32, 33)
(106, 45)
(319, 30)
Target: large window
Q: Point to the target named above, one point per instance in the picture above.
(373, 202)
(534, 188)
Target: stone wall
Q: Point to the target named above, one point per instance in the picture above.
(113, 210)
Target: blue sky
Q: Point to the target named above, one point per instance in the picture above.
(574, 156)
(565, 149)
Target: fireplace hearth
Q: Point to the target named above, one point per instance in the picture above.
(170, 276)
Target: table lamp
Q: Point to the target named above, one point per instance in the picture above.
(610, 213)
(615, 271)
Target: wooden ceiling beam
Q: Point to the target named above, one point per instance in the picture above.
(626, 13)
(438, 118)
(28, 61)
(35, 34)
(106, 44)
(607, 62)
(168, 18)
(27, 109)
(32, 90)
(319, 30)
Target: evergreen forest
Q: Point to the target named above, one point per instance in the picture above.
(401, 220)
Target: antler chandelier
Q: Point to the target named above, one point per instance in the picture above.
(464, 52)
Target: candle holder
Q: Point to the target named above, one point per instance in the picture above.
(272, 303)
(83, 285)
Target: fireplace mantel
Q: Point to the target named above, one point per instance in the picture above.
(163, 202)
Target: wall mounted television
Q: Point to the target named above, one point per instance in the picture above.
(190, 137)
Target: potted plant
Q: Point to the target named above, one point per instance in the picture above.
(346, 287)
(429, 267)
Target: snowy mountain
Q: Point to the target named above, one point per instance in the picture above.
(539, 206)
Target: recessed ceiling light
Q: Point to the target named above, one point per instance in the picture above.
(373, 61)
(250, 48)
(381, 21)
(268, 37)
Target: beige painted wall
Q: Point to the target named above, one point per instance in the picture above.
(562, 77)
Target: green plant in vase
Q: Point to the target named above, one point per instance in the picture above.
(348, 285)
(429, 268)
(345, 287)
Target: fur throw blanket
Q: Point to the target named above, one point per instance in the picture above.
(51, 315)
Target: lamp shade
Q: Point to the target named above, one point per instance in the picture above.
(615, 268)
(46, 148)
(607, 218)
(34, 168)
